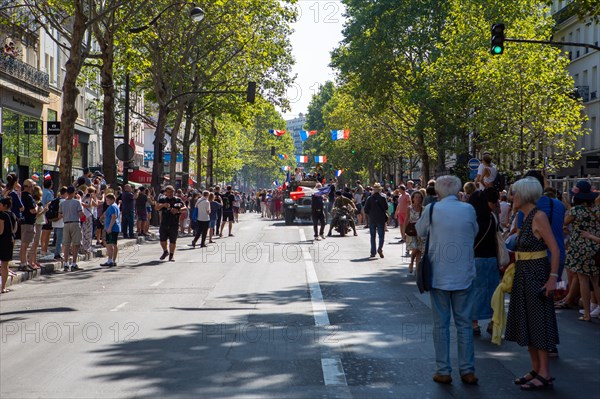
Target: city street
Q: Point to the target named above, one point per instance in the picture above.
(267, 313)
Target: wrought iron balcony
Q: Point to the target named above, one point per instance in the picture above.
(24, 72)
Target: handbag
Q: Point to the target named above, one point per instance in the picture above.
(424, 271)
(501, 251)
(411, 229)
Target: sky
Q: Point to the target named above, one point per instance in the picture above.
(317, 31)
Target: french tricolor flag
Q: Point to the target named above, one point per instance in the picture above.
(320, 159)
(284, 168)
(340, 134)
(283, 156)
(339, 172)
(301, 158)
(306, 134)
(47, 176)
(277, 132)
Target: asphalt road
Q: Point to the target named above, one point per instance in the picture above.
(264, 314)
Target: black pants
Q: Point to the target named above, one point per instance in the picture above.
(318, 216)
(218, 225)
(201, 229)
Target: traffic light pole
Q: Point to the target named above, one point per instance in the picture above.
(586, 45)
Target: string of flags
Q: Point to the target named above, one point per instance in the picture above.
(304, 135)
(285, 168)
(320, 159)
(283, 156)
(301, 158)
(277, 133)
(340, 134)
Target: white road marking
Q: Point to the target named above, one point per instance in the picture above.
(331, 364)
(157, 283)
(116, 308)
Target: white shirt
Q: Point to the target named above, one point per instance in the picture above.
(493, 172)
(504, 214)
(299, 177)
(203, 207)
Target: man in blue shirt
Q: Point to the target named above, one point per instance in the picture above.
(113, 228)
(452, 230)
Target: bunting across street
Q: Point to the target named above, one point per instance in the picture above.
(283, 156)
(284, 168)
(340, 134)
(301, 158)
(304, 135)
(277, 132)
(320, 159)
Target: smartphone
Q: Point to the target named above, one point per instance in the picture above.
(542, 294)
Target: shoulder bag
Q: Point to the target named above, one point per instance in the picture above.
(424, 271)
(411, 227)
(501, 251)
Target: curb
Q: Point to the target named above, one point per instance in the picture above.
(55, 266)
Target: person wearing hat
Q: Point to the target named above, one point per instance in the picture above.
(584, 216)
(376, 207)
(170, 207)
(341, 201)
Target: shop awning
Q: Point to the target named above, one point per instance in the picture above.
(140, 176)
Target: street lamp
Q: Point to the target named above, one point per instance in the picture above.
(197, 15)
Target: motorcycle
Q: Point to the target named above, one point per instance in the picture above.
(341, 220)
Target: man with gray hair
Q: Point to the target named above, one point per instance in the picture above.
(452, 229)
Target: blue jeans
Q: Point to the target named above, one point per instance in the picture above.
(58, 232)
(128, 220)
(460, 305)
(380, 229)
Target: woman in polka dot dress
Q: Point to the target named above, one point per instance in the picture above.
(531, 320)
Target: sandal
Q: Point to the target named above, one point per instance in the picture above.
(5, 291)
(546, 384)
(583, 318)
(25, 268)
(562, 305)
(524, 379)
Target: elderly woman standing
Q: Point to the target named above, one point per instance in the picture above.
(531, 319)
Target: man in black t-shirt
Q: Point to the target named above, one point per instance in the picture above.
(219, 196)
(170, 208)
(29, 216)
(228, 199)
(140, 210)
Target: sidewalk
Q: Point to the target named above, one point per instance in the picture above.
(49, 267)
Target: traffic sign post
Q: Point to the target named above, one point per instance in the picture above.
(473, 163)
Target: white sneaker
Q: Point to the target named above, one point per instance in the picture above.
(594, 311)
(48, 257)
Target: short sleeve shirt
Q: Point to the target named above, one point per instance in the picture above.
(167, 217)
(9, 221)
(70, 210)
(112, 210)
(29, 204)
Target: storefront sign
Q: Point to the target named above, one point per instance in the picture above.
(30, 127)
(53, 128)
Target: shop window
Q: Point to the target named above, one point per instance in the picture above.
(22, 140)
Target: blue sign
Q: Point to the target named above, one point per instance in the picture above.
(473, 163)
(149, 156)
(472, 174)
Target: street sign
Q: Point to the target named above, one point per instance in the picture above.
(30, 127)
(473, 163)
(53, 128)
(472, 174)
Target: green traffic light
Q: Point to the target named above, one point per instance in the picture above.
(497, 50)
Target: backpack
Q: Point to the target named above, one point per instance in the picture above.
(52, 213)
(194, 216)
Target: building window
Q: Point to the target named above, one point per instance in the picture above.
(51, 143)
(21, 144)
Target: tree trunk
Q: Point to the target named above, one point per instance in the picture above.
(159, 136)
(109, 165)
(70, 92)
(422, 151)
(175, 147)
(198, 158)
(187, 143)
(210, 154)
